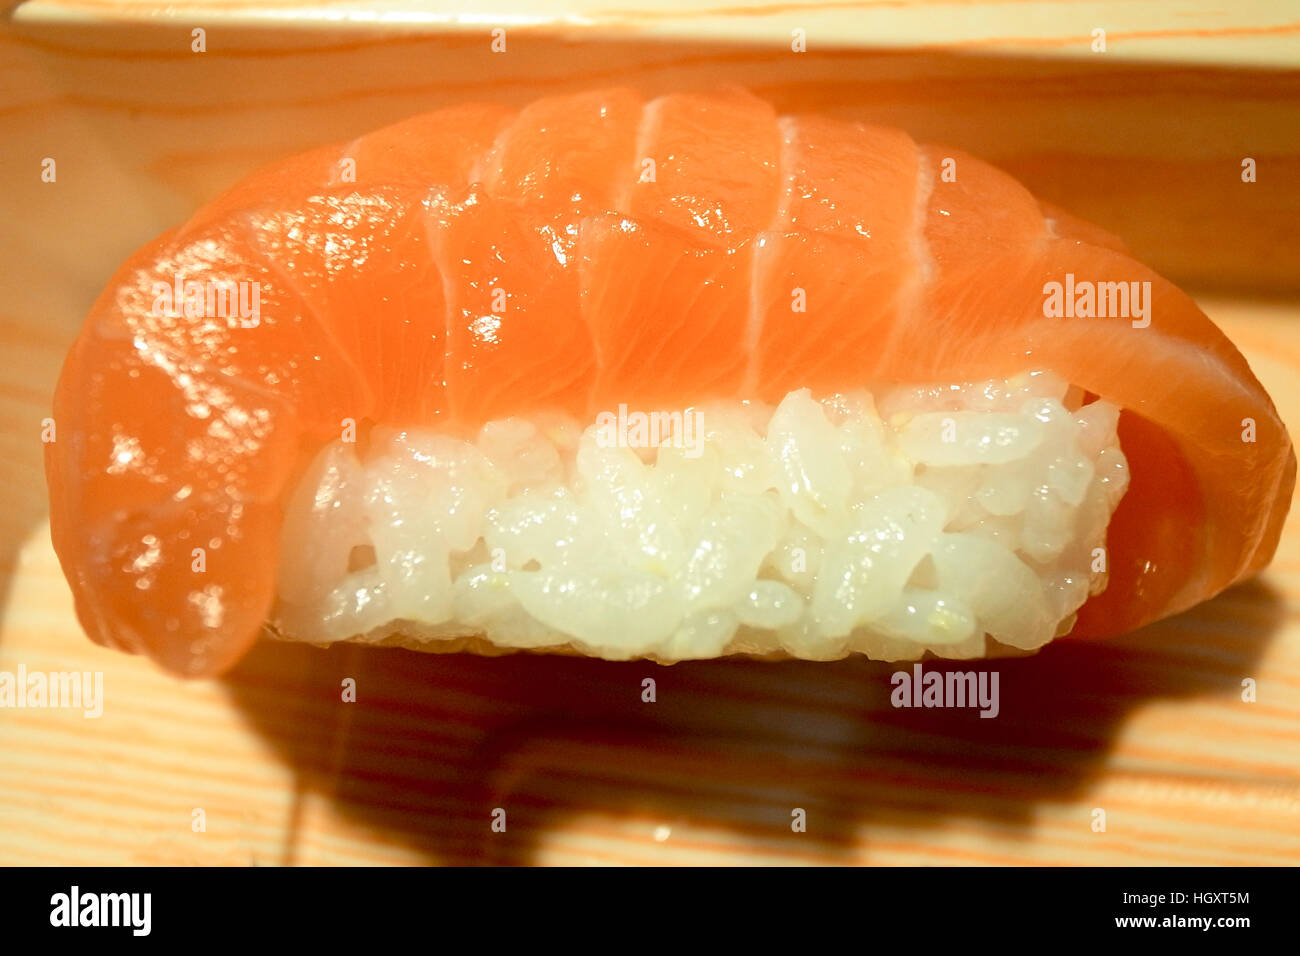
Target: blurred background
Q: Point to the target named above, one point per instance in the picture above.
(1137, 116)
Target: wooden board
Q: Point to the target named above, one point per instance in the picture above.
(143, 128)
(1251, 33)
(1150, 728)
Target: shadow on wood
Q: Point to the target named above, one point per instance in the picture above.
(435, 743)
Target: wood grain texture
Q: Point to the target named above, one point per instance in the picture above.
(144, 128)
(1246, 33)
(1150, 727)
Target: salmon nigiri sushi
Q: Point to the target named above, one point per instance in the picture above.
(669, 378)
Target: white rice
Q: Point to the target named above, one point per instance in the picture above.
(921, 521)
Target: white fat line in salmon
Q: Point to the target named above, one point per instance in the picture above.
(634, 429)
(1100, 300)
(53, 689)
(239, 303)
(951, 689)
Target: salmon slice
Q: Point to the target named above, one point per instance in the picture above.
(479, 263)
(286, 178)
(663, 307)
(516, 340)
(666, 283)
(362, 254)
(708, 163)
(508, 252)
(569, 154)
(445, 147)
(181, 434)
(851, 180)
(839, 264)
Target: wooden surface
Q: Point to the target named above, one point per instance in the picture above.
(1250, 33)
(1151, 728)
(143, 129)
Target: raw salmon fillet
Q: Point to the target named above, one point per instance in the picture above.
(477, 263)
